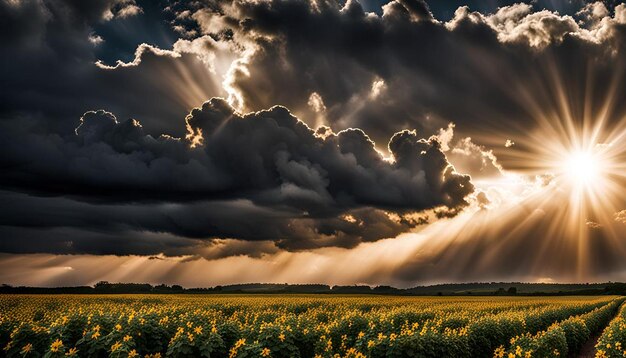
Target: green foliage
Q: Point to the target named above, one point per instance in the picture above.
(196, 341)
(576, 333)
(612, 342)
(24, 335)
(561, 338)
(298, 326)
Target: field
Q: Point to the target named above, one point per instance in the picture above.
(308, 326)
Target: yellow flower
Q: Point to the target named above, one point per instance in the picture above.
(132, 354)
(127, 338)
(8, 346)
(238, 344)
(353, 353)
(198, 330)
(265, 352)
(27, 348)
(281, 337)
(56, 345)
(117, 345)
(118, 327)
(72, 352)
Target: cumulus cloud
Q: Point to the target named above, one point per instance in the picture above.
(468, 157)
(518, 23)
(258, 54)
(477, 68)
(268, 165)
(58, 43)
(595, 11)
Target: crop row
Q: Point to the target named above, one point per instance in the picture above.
(478, 339)
(561, 338)
(281, 326)
(612, 342)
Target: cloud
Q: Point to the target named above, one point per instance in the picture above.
(518, 23)
(195, 229)
(265, 165)
(593, 225)
(468, 157)
(139, 53)
(329, 135)
(478, 70)
(594, 11)
(414, 10)
(504, 242)
(54, 43)
(258, 54)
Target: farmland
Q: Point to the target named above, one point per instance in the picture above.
(307, 326)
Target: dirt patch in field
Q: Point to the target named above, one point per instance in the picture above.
(589, 349)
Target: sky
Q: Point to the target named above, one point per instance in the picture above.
(289, 141)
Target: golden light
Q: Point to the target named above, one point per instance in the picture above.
(577, 147)
(593, 175)
(581, 168)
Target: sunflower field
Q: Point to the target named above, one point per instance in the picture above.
(307, 326)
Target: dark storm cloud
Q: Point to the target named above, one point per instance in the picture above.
(269, 156)
(47, 66)
(476, 70)
(166, 183)
(60, 225)
(267, 167)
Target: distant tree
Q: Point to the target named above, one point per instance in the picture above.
(102, 284)
(512, 291)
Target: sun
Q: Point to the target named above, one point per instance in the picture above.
(583, 168)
